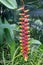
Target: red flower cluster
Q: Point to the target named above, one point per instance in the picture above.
(24, 33)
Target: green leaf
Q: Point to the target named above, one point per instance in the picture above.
(14, 55)
(34, 41)
(8, 31)
(1, 35)
(41, 48)
(1, 32)
(38, 22)
(3, 56)
(8, 36)
(12, 48)
(9, 3)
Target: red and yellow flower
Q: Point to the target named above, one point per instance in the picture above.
(24, 33)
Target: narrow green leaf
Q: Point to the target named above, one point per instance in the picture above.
(4, 61)
(1, 32)
(12, 48)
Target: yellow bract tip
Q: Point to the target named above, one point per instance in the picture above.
(26, 58)
(20, 40)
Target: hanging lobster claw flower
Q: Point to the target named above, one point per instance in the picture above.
(24, 33)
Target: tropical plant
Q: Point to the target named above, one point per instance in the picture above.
(9, 32)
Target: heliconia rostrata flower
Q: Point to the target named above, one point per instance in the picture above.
(24, 33)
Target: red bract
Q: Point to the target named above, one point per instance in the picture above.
(22, 26)
(26, 16)
(22, 14)
(26, 37)
(24, 33)
(22, 8)
(26, 20)
(25, 11)
(24, 44)
(21, 23)
(26, 24)
(21, 19)
(26, 29)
